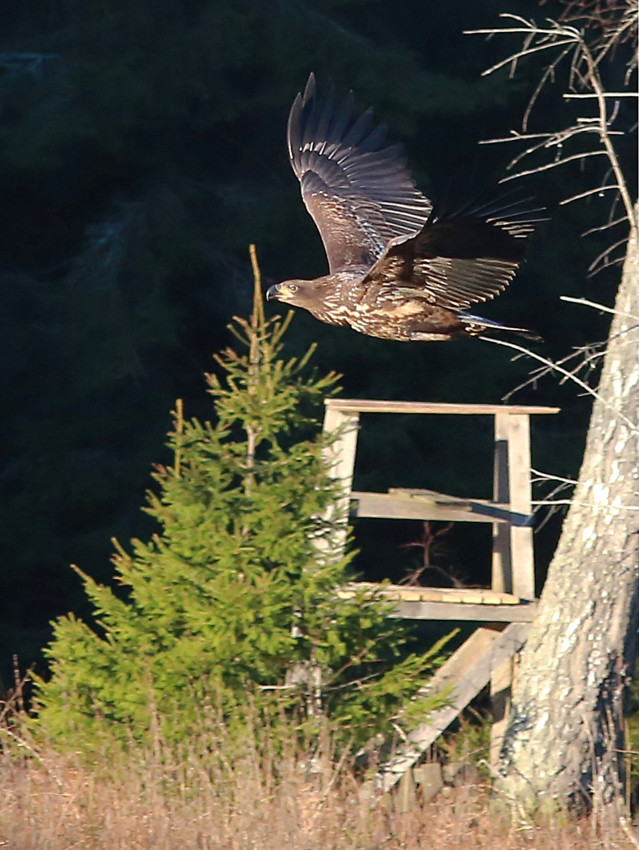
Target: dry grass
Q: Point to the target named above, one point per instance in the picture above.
(154, 801)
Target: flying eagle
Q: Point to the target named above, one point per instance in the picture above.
(399, 268)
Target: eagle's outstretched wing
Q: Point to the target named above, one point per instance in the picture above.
(461, 258)
(360, 194)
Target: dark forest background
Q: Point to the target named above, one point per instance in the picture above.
(141, 151)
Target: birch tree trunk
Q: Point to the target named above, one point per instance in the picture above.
(562, 745)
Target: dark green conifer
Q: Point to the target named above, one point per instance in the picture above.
(234, 598)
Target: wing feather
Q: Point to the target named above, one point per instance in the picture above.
(360, 194)
(461, 258)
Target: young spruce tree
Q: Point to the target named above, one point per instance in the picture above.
(233, 601)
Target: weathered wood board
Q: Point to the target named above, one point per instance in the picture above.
(466, 672)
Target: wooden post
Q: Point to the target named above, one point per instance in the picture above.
(513, 559)
(340, 455)
(344, 425)
(520, 493)
(502, 572)
(502, 580)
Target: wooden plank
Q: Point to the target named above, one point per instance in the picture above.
(466, 672)
(429, 495)
(522, 612)
(400, 592)
(373, 406)
(391, 506)
(426, 603)
(498, 510)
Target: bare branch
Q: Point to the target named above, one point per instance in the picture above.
(591, 505)
(582, 73)
(597, 306)
(548, 141)
(554, 164)
(516, 137)
(606, 226)
(575, 95)
(520, 55)
(596, 191)
(604, 255)
(587, 354)
(595, 81)
(545, 476)
(548, 74)
(555, 367)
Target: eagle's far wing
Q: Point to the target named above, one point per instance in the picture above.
(360, 194)
(462, 258)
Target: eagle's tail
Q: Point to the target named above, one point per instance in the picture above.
(475, 325)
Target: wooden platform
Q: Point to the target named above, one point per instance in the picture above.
(449, 603)
(504, 610)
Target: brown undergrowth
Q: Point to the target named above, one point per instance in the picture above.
(205, 796)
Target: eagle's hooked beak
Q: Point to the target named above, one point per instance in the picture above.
(282, 291)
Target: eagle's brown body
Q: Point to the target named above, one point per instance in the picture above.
(398, 269)
(343, 299)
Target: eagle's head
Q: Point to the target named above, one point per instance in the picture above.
(299, 293)
(327, 298)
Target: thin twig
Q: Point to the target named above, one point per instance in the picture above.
(539, 373)
(591, 505)
(583, 71)
(603, 227)
(570, 375)
(523, 53)
(548, 74)
(516, 136)
(578, 197)
(24, 745)
(598, 259)
(575, 95)
(546, 476)
(597, 306)
(554, 164)
(595, 82)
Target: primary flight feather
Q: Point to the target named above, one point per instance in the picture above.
(398, 268)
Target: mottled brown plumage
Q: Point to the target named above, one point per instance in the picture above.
(398, 269)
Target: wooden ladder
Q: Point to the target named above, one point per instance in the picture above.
(505, 609)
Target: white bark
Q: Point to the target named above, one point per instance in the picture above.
(561, 747)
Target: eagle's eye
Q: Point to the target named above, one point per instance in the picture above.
(292, 288)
